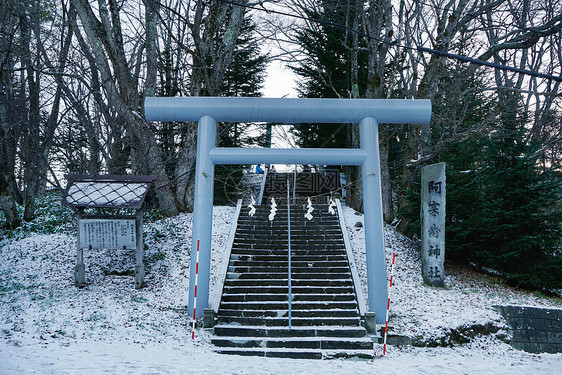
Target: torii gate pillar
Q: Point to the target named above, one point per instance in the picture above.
(367, 112)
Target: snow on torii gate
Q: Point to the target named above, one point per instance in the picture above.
(367, 112)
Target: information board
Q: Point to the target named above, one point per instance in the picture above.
(108, 233)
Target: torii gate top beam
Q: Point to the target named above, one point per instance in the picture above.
(288, 110)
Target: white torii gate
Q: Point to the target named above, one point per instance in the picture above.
(367, 112)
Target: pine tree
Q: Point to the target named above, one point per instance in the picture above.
(520, 227)
(326, 72)
(245, 78)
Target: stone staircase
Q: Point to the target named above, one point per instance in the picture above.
(253, 313)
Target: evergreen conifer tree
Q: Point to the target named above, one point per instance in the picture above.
(325, 72)
(518, 230)
(244, 78)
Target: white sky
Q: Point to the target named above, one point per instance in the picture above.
(280, 81)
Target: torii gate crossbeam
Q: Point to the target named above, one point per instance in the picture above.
(367, 112)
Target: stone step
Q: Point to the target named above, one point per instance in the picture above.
(280, 227)
(296, 211)
(259, 331)
(335, 313)
(318, 216)
(283, 297)
(281, 219)
(294, 247)
(283, 305)
(294, 258)
(284, 321)
(284, 290)
(283, 276)
(311, 237)
(282, 241)
(301, 198)
(282, 234)
(281, 263)
(299, 209)
(268, 230)
(280, 252)
(280, 222)
(295, 353)
(285, 269)
(328, 343)
(294, 282)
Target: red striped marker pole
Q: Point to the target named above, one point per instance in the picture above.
(388, 304)
(195, 294)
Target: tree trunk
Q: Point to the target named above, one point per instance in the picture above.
(106, 43)
(378, 20)
(10, 129)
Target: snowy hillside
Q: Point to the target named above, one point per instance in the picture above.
(49, 326)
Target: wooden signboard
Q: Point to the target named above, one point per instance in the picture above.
(108, 233)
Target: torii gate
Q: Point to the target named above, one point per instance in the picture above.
(367, 112)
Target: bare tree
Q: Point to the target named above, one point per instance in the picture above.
(9, 129)
(104, 35)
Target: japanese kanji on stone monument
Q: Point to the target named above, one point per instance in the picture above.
(433, 224)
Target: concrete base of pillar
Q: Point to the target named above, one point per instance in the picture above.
(208, 318)
(370, 322)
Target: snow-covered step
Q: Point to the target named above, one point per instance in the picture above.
(308, 235)
(284, 269)
(283, 275)
(253, 297)
(298, 353)
(284, 263)
(282, 245)
(259, 230)
(303, 282)
(283, 289)
(295, 257)
(306, 331)
(294, 313)
(295, 252)
(278, 305)
(326, 343)
(284, 321)
(280, 220)
(279, 225)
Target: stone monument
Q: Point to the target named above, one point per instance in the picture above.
(433, 224)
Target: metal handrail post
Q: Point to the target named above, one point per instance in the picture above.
(289, 294)
(294, 185)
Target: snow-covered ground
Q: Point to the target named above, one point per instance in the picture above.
(420, 310)
(49, 326)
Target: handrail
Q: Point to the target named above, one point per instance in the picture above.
(294, 186)
(361, 302)
(262, 187)
(289, 287)
(215, 298)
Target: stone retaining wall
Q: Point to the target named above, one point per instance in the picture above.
(533, 329)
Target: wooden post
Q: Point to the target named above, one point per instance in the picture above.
(79, 269)
(139, 267)
(433, 224)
